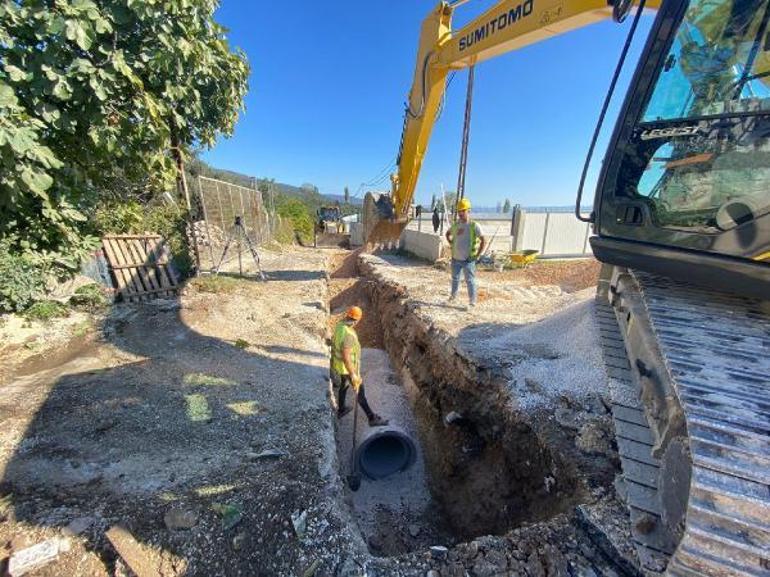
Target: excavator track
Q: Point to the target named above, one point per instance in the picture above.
(691, 405)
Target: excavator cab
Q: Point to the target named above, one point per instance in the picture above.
(685, 186)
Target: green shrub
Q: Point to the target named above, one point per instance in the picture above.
(169, 221)
(89, 297)
(118, 217)
(298, 213)
(44, 311)
(129, 216)
(22, 280)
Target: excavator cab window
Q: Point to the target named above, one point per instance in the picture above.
(692, 171)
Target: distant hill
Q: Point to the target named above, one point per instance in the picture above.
(200, 167)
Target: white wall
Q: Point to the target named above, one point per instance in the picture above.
(423, 244)
(550, 233)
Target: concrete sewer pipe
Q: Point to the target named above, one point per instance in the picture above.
(385, 451)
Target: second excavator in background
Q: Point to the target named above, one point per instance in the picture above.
(681, 221)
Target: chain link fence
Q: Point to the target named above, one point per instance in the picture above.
(220, 203)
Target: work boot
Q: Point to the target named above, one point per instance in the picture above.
(472, 304)
(377, 421)
(452, 298)
(342, 411)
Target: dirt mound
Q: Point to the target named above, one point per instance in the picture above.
(570, 275)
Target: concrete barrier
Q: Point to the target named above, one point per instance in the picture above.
(423, 244)
(552, 232)
(356, 234)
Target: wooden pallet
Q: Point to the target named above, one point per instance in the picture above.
(140, 265)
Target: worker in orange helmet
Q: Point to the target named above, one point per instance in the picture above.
(346, 366)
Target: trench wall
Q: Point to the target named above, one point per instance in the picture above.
(488, 469)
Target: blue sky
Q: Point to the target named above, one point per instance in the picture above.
(329, 81)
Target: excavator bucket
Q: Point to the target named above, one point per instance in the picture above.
(380, 224)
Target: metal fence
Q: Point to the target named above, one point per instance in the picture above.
(220, 203)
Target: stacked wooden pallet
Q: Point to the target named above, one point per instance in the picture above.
(140, 264)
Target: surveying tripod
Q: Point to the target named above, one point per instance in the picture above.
(239, 233)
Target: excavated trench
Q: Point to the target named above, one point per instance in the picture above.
(471, 466)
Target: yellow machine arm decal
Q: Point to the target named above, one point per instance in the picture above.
(507, 26)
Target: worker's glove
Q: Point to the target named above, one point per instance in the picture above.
(356, 382)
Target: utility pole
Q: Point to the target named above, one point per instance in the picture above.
(466, 137)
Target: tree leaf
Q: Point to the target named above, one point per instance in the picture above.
(15, 73)
(7, 96)
(38, 182)
(62, 90)
(84, 37)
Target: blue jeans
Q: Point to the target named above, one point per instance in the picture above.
(469, 267)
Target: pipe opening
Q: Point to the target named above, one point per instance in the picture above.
(385, 453)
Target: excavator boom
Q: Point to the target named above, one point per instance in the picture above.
(507, 26)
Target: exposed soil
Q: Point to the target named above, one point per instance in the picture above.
(167, 415)
(346, 289)
(202, 425)
(569, 275)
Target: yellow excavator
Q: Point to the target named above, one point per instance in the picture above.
(681, 221)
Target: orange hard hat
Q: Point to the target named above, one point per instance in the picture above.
(355, 313)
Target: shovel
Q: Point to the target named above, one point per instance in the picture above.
(354, 477)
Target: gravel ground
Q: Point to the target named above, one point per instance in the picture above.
(513, 297)
(202, 426)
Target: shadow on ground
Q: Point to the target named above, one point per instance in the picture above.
(201, 449)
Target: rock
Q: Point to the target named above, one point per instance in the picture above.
(597, 404)
(592, 440)
(180, 519)
(29, 559)
(497, 559)
(482, 568)
(567, 418)
(645, 524)
(452, 417)
(455, 570)
(473, 549)
(439, 552)
(238, 541)
(299, 520)
(582, 571)
(556, 563)
(414, 530)
(231, 514)
(78, 526)
(348, 568)
(534, 566)
(533, 385)
(310, 571)
(266, 454)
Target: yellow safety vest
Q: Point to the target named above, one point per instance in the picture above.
(472, 240)
(341, 331)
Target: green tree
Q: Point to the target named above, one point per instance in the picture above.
(347, 195)
(103, 97)
(298, 213)
(507, 206)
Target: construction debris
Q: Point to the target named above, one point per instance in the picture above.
(26, 560)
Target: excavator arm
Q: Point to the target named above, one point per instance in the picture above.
(507, 26)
